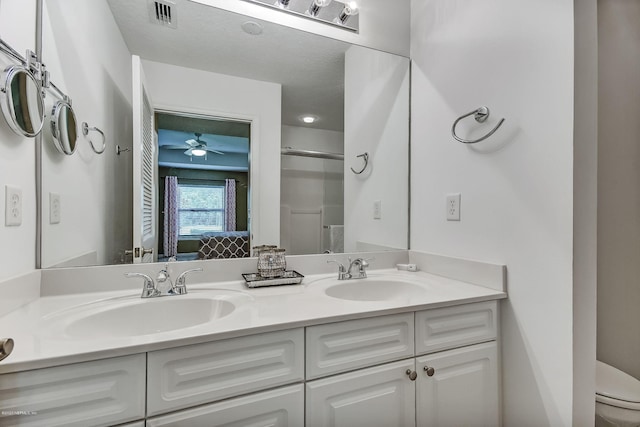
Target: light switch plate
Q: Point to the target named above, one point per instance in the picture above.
(54, 208)
(12, 206)
(377, 209)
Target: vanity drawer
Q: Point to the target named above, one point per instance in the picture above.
(450, 327)
(99, 393)
(281, 407)
(344, 346)
(203, 373)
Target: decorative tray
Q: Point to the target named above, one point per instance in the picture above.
(291, 277)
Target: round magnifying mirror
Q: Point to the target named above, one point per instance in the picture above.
(64, 127)
(22, 103)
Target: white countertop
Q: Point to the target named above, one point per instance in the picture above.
(39, 344)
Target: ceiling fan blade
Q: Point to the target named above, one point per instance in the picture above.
(175, 147)
(189, 152)
(215, 151)
(192, 142)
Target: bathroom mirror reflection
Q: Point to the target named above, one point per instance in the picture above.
(219, 66)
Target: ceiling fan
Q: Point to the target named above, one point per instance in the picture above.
(195, 147)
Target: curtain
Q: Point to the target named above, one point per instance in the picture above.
(170, 216)
(230, 205)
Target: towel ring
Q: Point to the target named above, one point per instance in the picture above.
(85, 131)
(365, 156)
(480, 114)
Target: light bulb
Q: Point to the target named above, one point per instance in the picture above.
(350, 9)
(199, 152)
(309, 119)
(317, 5)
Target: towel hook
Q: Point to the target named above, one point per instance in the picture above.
(480, 114)
(365, 156)
(85, 131)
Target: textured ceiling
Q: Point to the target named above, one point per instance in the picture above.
(309, 67)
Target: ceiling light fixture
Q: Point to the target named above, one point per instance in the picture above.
(350, 9)
(199, 152)
(309, 119)
(317, 5)
(339, 13)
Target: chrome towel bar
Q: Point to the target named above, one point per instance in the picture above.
(480, 114)
(85, 131)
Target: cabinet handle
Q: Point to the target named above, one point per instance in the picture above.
(429, 370)
(412, 374)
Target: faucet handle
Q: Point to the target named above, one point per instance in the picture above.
(180, 286)
(364, 261)
(149, 288)
(341, 268)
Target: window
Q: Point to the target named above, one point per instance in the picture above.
(200, 209)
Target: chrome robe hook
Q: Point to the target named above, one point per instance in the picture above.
(480, 114)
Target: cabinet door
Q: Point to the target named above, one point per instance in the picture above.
(382, 396)
(282, 407)
(463, 390)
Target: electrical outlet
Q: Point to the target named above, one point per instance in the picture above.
(54, 208)
(453, 207)
(377, 209)
(12, 206)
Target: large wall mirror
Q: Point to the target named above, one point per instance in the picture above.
(231, 132)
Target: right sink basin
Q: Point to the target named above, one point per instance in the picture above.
(374, 289)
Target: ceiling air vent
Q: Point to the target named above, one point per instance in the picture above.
(163, 13)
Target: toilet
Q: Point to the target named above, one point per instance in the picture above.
(617, 397)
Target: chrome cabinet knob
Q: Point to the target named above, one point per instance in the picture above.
(6, 347)
(429, 370)
(412, 374)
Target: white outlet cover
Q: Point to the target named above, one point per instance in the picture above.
(12, 206)
(54, 208)
(453, 207)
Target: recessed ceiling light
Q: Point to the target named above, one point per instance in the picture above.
(309, 119)
(251, 27)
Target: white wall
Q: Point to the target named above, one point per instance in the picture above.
(17, 154)
(376, 104)
(310, 184)
(618, 185)
(384, 24)
(182, 89)
(517, 204)
(89, 61)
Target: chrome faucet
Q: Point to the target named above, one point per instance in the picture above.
(151, 290)
(359, 263)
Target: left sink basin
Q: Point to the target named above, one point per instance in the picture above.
(133, 316)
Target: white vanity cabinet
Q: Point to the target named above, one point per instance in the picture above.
(454, 384)
(431, 368)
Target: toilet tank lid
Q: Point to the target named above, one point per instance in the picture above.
(614, 383)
